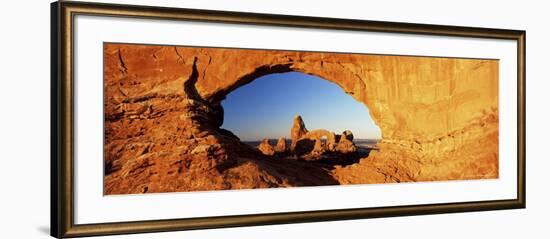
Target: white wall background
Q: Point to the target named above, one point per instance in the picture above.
(24, 121)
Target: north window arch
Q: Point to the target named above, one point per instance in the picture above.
(164, 119)
(265, 107)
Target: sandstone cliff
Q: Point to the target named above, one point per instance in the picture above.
(438, 117)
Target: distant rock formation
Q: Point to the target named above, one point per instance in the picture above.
(347, 135)
(266, 148)
(345, 146)
(297, 131)
(345, 143)
(310, 145)
(313, 144)
(281, 148)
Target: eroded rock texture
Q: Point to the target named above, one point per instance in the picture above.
(281, 148)
(297, 131)
(311, 145)
(266, 148)
(438, 117)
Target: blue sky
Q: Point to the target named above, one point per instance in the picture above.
(266, 107)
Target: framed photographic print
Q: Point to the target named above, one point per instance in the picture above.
(172, 119)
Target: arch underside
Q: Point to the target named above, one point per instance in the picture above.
(438, 117)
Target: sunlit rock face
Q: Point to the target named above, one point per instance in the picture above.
(280, 147)
(297, 131)
(438, 117)
(309, 145)
(266, 148)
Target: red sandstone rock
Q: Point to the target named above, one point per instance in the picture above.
(297, 131)
(281, 148)
(348, 135)
(266, 148)
(311, 142)
(438, 117)
(310, 145)
(345, 146)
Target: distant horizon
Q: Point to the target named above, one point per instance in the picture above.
(265, 108)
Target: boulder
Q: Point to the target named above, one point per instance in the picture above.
(345, 143)
(281, 146)
(347, 134)
(266, 148)
(345, 146)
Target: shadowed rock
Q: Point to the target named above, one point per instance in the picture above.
(345, 143)
(345, 146)
(311, 145)
(347, 135)
(318, 135)
(304, 147)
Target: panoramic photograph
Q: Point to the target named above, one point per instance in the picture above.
(187, 118)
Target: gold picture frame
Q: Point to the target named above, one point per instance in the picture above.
(62, 121)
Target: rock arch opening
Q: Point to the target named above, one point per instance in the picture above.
(266, 111)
